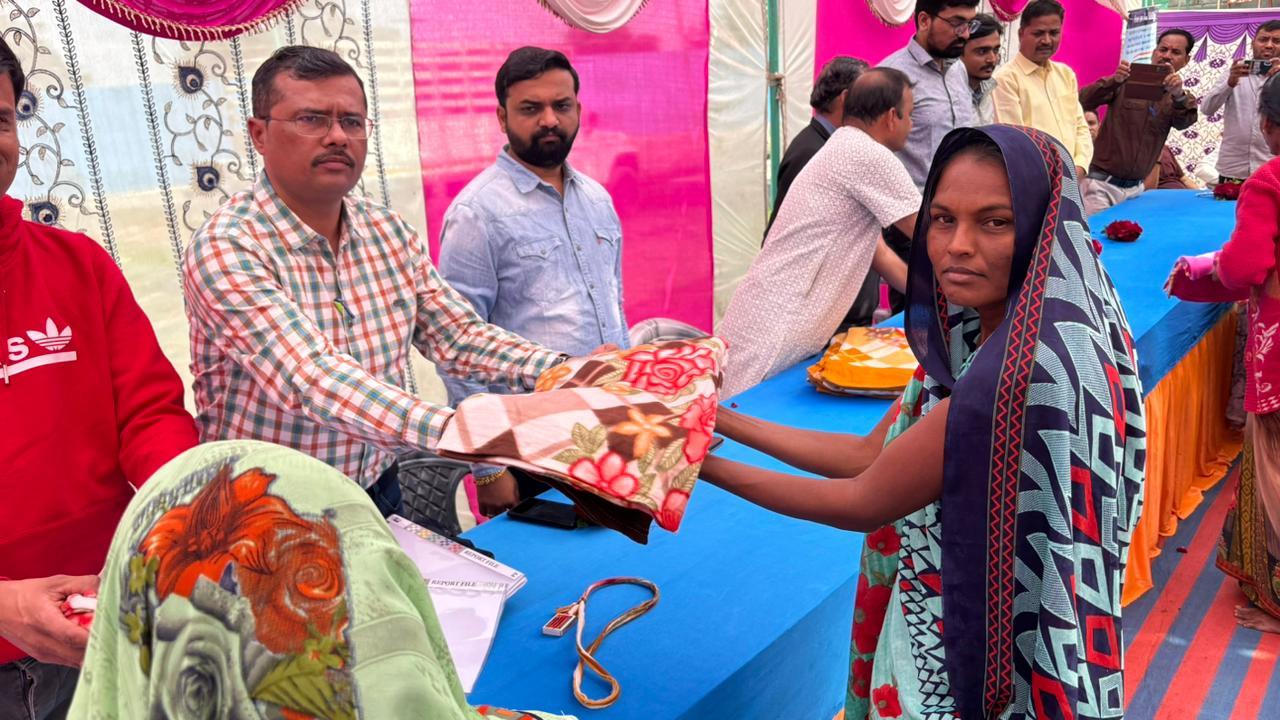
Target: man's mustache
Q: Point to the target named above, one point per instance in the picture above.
(334, 156)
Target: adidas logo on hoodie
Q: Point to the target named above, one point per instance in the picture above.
(37, 349)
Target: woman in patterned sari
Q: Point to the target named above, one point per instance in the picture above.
(1004, 485)
(1250, 547)
(248, 581)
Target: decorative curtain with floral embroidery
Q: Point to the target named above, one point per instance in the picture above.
(193, 19)
(597, 16)
(1222, 37)
(134, 139)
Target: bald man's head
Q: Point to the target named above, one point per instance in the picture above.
(875, 92)
(880, 103)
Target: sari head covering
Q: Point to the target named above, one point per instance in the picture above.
(1044, 453)
(247, 581)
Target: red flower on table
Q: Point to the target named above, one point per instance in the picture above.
(700, 420)
(667, 370)
(860, 677)
(609, 473)
(1123, 231)
(672, 511)
(885, 698)
(885, 541)
(869, 608)
(1227, 191)
(1097, 246)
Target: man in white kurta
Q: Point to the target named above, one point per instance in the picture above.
(825, 237)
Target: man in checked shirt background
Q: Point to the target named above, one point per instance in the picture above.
(305, 300)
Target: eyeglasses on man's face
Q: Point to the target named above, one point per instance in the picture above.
(961, 26)
(355, 127)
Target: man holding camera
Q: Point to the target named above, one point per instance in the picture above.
(1244, 149)
(1128, 144)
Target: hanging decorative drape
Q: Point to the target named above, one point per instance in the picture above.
(1007, 10)
(1222, 37)
(892, 12)
(597, 16)
(1231, 27)
(193, 19)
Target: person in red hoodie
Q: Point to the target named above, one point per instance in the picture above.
(89, 409)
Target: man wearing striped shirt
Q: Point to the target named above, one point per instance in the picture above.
(305, 300)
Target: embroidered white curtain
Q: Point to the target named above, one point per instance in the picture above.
(135, 140)
(597, 16)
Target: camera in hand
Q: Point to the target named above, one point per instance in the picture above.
(1258, 66)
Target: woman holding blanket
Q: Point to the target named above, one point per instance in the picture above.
(1004, 485)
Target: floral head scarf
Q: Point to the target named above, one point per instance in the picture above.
(249, 581)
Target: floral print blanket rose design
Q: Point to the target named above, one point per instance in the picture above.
(630, 427)
(236, 595)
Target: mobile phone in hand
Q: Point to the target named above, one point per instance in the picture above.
(546, 512)
(1258, 66)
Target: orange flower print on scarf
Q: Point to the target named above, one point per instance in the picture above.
(224, 523)
(289, 567)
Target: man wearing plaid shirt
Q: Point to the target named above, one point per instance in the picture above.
(304, 300)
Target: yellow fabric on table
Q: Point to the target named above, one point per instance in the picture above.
(1189, 446)
(865, 361)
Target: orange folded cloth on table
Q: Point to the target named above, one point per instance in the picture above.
(872, 362)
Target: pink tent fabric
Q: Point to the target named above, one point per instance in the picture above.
(192, 19)
(644, 129)
(1091, 36)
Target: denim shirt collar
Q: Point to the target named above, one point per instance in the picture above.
(523, 178)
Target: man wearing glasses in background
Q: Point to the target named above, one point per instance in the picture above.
(943, 100)
(304, 300)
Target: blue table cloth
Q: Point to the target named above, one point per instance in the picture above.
(756, 608)
(1174, 223)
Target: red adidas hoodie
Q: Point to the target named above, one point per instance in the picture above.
(88, 403)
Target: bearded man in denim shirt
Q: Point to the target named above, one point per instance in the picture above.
(533, 243)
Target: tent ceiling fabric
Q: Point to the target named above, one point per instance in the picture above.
(1007, 10)
(597, 16)
(892, 12)
(193, 19)
(1121, 6)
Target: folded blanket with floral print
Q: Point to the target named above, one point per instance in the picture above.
(623, 434)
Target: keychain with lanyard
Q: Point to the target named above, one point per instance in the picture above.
(559, 625)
